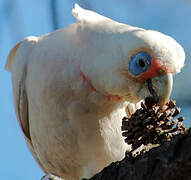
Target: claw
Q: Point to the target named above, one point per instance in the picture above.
(51, 177)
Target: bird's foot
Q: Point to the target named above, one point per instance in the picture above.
(51, 177)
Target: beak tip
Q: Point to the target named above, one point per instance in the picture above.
(151, 101)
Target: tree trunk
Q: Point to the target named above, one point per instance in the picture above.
(170, 161)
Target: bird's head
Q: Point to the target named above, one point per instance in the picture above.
(151, 61)
(126, 61)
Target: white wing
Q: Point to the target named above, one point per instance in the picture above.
(17, 64)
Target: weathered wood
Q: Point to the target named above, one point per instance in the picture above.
(170, 161)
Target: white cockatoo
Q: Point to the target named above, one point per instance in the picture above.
(72, 88)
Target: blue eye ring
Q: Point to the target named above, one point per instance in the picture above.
(140, 63)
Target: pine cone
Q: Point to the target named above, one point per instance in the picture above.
(152, 124)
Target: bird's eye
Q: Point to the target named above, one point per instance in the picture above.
(140, 63)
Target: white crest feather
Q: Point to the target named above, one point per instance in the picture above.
(87, 16)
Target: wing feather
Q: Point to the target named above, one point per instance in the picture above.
(17, 64)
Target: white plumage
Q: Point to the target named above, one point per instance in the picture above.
(71, 88)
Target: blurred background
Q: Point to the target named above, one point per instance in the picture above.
(21, 18)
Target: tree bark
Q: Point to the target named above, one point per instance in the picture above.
(170, 161)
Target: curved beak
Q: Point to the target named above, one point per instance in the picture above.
(159, 88)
